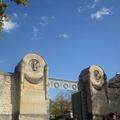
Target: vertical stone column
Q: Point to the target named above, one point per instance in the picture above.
(46, 88)
(46, 82)
(93, 80)
(33, 91)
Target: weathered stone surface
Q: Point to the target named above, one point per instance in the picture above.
(100, 96)
(34, 117)
(33, 86)
(24, 94)
(8, 94)
(5, 117)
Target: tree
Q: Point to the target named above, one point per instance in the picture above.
(60, 105)
(3, 6)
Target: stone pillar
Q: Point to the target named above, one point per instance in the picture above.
(33, 89)
(93, 87)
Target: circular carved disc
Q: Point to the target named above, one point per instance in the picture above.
(97, 77)
(34, 68)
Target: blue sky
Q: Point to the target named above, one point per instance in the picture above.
(69, 34)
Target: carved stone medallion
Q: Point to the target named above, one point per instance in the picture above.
(35, 65)
(97, 77)
(34, 68)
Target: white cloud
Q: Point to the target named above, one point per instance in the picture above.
(91, 5)
(81, 9)
(9, 25)
(99, 14)
(94, 3)
(15, 15)
(52, 17)
(2, 61)
(25, 15)
(45, 20)
(35, 33)
(63, 35)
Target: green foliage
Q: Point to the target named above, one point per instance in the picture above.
(3, 6)
(59, 105)
(24, 2)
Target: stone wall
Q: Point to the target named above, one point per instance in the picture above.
(114, 94)
(8, 96)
